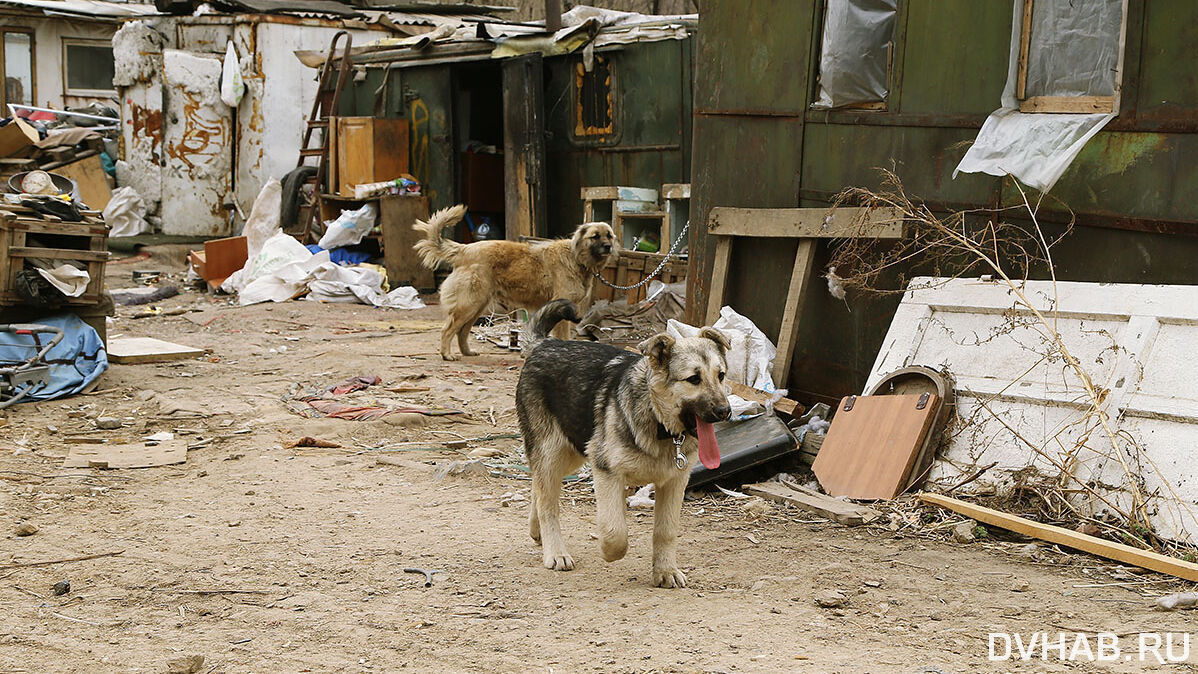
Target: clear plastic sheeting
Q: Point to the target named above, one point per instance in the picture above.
(855, 58)
(1073, 49)
(1035, 148)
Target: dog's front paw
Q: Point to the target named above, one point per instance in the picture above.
(669, 578)
(559, 562)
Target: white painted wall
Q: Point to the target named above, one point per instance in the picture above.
(279, 95)
(48, 34)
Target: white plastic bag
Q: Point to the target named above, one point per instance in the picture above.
(232, 86)
(126, 213)
(278, 251)
(349, 228)
(263, 221)
(751, 355)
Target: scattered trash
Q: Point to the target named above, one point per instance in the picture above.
(831, 599)
(963, 531)
(62, 587)
(25, 529)
(309, 441)
(188, 664)
(643, 498)
(473, 467)
(428, 574)
(355, 384)
(1173, 602)
(350, 227)
(138, 455)
(132, 350)
(134, 296)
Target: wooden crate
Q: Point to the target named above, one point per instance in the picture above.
(85, 241)
(632, 267)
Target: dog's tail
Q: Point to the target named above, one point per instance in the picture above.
(433, 248)
(544, 320)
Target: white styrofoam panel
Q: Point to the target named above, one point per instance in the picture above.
(1014, 389)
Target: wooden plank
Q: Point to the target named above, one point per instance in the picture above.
(148, 350)
(1025, 40)
(601, 193)
(1119, 552)
(848, 514)
(719, 278)
(676, 191)
(396, 216)
(871, 449)
(89, 175)
(59, 253)
(785, 405)
(137, 455)
(846, 221)
(792, 310)
(1081, 104)
(68, 228)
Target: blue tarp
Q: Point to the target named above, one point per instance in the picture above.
(75, 362)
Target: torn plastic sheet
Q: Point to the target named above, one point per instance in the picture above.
(854, 61)
(1073, 48)
(1035, 148)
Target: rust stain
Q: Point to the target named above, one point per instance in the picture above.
(147, 123)
(203, 136)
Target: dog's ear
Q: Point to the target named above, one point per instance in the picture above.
(576, 239)
(720, 339)
(657, 348)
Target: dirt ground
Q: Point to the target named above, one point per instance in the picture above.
(263, 558)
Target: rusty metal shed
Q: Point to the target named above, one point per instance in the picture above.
(625, 120)
(759, 142)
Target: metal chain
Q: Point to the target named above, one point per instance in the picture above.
(656, 272)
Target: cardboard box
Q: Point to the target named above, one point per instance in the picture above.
(17, 138)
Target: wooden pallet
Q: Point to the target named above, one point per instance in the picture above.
(85, 241)
(632, 267)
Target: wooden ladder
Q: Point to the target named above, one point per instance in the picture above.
(328, 95)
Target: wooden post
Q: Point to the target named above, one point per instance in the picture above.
(553, 15)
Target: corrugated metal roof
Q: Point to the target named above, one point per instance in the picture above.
(91, 8)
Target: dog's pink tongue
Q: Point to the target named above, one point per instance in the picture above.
(709, 449)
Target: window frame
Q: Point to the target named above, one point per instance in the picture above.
(83, 93)
(891, 47)
(578, 133)
(4, 67)
(1066, 104)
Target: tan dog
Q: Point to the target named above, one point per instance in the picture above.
(523, 275)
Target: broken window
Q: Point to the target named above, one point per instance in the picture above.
(1070, 55)
(18, 68)
(854, 63)
(89, 67)
(595, 107)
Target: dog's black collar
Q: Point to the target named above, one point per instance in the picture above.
(663, 434)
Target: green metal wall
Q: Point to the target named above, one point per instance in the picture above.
(757, 143)
(652, 145)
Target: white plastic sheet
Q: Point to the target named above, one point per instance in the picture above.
(126, 213)
(1073, 48)
(350, 227)
(276, 252)
(69, 280)
(855, 55)
(1035, 148)
(325, 281)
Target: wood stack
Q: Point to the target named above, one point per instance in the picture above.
(25, 233)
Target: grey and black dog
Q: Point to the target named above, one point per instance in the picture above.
(639, 419)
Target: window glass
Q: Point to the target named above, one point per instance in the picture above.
(1073, 47)
(854, 64)
(18, 69)
(89, 67)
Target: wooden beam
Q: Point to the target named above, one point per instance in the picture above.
(1082, 104)
(846, 221)
(848, 514)
(785, 405)
(1025, 39)
(1096, 546)
(795, 294)
(719, 278)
